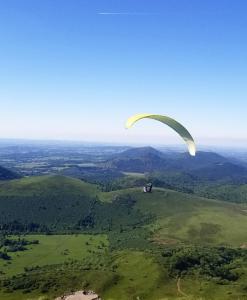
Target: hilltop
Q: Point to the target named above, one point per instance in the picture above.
(144, 159)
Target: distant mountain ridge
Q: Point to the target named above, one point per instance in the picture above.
(149, 159)
(144, 159)
(139, 152)
(206, 166)
(201, 160)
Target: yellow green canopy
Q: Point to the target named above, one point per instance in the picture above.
(179, 128)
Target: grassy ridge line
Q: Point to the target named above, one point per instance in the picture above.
(189, 218)
(177, 216)
(195, 219)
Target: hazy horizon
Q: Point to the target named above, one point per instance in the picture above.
(169, 146)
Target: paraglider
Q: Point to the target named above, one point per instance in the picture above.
(148, 188)
(179, 128)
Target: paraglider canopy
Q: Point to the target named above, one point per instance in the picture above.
(179, 128)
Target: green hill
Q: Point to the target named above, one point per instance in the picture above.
(57, 203)
(41, 203)
(45, 185)
(148, 159)
(186, 218)
(207, 174)
(125, 244)
(63, 203)
(144, 159)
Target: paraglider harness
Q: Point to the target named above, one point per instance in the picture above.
(148, 188)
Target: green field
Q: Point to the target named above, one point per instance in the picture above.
(55, 249)
(129, 275)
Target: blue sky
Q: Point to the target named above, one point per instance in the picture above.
(67, 71)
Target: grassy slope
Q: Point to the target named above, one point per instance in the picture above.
(189, 218)
(52, 250)
(179, 218)
(139, 276)
(194, 219)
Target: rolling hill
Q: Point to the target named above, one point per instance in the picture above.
(207, 174)
(138, 245)
(144, 159)
(57, 203)
(43, 201)
(148, 159)
(63, 203)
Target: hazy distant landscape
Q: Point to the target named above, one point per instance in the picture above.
(74, 217)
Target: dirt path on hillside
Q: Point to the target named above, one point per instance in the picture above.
(179, 288)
